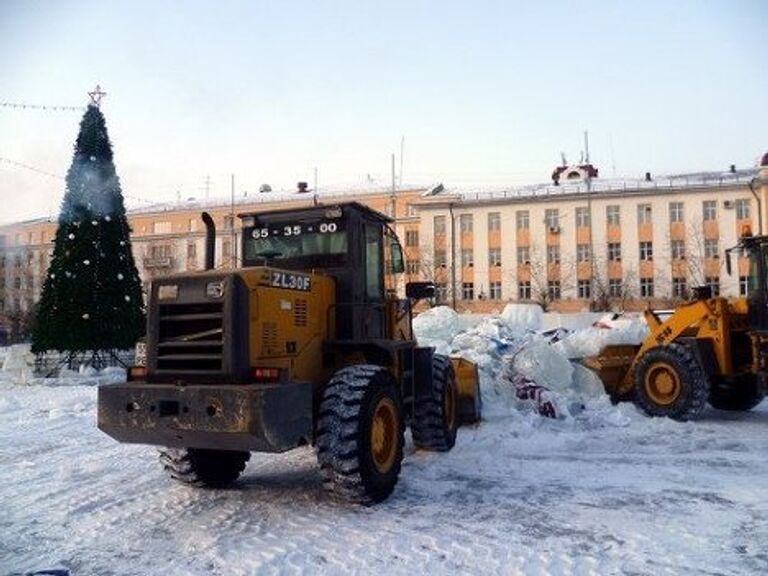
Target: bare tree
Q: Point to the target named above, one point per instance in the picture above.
(435, 269)
(692, 265)
(542, 271)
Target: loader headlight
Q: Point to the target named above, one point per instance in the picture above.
(214, 289)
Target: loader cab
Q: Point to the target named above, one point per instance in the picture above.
(755, 248)
(349, 242)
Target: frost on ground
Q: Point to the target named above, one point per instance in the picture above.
(601, 491)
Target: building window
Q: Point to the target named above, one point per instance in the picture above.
(523, 255)
(523, 219)
(552, 218)
(410, 209)
(438, 224)
(440, 259)
(582, 253)
(553, 254)
(411, 237)
(553, 289)
(494, 291)
(614, 251)
(465, 223)
(467, 258)
(524, 290)
(584, 289)
(675, 211)
(160, 251)
(161, 228)
(743, 285)
(709, 208)
(226, 249)
(412, 267)
(582, 217)
(646, 288)
(615, 288)
(644, 214)
(441, 292)
(191, 250)
(742, 209)
(646, 250)
(679, 288)
(467, 291)
(229, 222)
(613, 215)
(494, 221)
(713, 283)
(494, 257)
(192, 226)
(677, 249)
(711, 248)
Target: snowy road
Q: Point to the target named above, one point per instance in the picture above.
(519, 495)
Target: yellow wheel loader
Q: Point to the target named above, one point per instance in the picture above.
(709, 350)
(308, 343)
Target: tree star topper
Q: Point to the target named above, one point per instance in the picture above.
(97, 95)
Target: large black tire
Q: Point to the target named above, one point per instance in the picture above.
(360, 434)
(740, 395)
(436, 417)
(669, 381)
(203, 468)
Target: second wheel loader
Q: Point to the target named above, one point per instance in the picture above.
(711, 349)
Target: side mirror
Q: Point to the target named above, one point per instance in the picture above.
(420, 290)
(396, 253)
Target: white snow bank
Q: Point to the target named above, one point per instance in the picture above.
(523, 317)
(513, 346)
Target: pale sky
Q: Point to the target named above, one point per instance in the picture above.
(485, 93)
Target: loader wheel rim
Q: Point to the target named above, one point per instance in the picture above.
(662, 384)
(449, 406)
(384, 435)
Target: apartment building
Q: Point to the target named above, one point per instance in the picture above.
(591, 243)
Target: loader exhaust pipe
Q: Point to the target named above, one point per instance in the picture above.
(210, 240)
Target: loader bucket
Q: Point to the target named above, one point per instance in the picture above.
(612, 364)
(468, 388)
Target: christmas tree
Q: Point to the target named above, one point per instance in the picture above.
(91, 299)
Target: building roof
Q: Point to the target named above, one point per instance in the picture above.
(607, 186)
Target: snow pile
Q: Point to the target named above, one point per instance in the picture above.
(524, 368)
(17, 360)
(437, 327)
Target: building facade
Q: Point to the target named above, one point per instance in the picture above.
(591, 243)
(579, 243)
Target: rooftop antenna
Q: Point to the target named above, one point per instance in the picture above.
(314, 187)
(563, 160)
(393, 197)
(233, 233)
(402, 148)
(586, 146)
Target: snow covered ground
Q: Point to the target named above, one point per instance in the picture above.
(601, 491)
